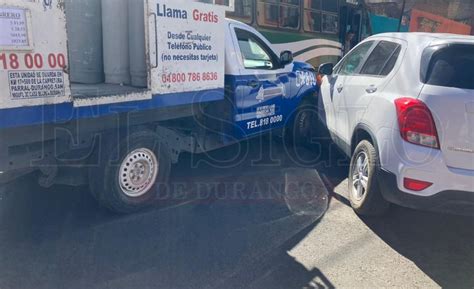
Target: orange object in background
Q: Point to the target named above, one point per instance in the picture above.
(319, 79)
(427, 22)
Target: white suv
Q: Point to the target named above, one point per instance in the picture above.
(401, 105)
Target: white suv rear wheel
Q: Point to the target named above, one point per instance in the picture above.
(364, 192)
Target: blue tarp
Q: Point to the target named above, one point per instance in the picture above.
(381, 24)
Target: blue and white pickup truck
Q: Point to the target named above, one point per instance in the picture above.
(115, 108)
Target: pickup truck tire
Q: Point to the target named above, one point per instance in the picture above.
(364, 192)
(128, 176)
(300, 132)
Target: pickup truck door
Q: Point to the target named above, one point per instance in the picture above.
(261, 85)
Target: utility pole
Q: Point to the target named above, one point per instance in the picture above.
(401, 15)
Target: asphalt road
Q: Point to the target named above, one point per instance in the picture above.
(255, 215)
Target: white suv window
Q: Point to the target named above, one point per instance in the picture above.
(452, 66)
(353, 60)
(382, 59)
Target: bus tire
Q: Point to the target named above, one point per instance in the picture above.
(128, 176)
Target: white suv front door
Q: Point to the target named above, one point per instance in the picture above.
(331, 88)
(363, 84)
(345, 70)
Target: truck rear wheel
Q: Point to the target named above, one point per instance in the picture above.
(128, 176)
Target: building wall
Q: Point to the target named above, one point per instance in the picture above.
(459, 11)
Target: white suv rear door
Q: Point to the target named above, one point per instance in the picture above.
(449, 94)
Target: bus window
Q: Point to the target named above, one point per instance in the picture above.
(312, 4)
(330, 23)
(321, 16)
(243, 11)
(330, 6)
(267, 14)
(281, 14)
(290, 16)
(218, 2)
(312, 21)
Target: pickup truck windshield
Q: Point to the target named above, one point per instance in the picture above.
(254, 54)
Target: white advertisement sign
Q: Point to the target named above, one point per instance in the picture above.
(33, 58)
(13, 27)
(190, 46)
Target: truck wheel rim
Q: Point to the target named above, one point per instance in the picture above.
(360, 176)
(138, 172)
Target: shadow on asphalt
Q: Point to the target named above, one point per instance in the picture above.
(440, 244)
(60, 238)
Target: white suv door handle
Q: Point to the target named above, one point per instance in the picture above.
(371, 89)
(339, 88)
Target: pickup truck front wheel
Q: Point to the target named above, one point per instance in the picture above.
(300, 132)
(128, 176)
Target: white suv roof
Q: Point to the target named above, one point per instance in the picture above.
(424, 38)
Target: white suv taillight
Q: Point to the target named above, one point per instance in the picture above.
(416, 122)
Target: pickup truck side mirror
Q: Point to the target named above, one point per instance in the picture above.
(326, 69)
(286, 57)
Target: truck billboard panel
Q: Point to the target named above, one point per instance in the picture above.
(188, 51)
(33, 54)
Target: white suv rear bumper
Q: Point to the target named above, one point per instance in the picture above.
(405, 160)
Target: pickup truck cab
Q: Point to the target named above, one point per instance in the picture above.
(116, 115)
(267, 89)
